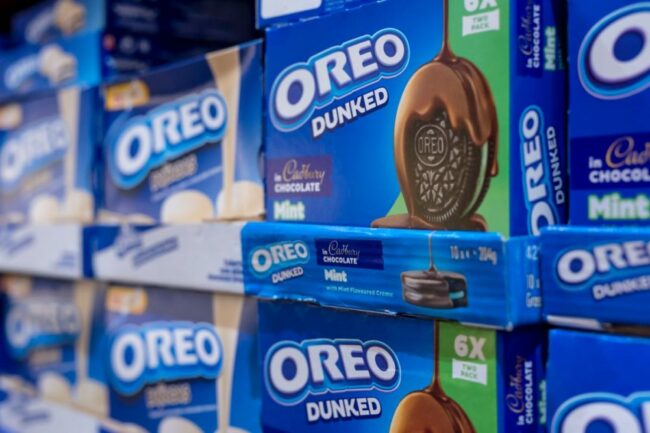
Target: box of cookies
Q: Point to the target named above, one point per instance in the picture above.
(609, 82)
(48, 146)
(342, 371)
(477, 278)
(47, 332)
(174, 361)
(183, 143)
(445, 115)
(597, 383)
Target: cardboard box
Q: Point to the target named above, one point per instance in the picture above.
(48, 324)
(420, 117)
(183, 143)
(348, 371)
(48, 147)
(477, 278)
(609, 96)
(176, 360)
(597, 382)
(595, 277)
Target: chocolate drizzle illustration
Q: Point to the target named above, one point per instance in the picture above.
(445, 144)
(432, 288)
(431, 410)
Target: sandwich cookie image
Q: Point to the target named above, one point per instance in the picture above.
(69, 16)
(431, 410)
(57, 65)
(432, 288)
(445, 144)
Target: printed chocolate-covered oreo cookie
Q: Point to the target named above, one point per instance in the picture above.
(445, 144)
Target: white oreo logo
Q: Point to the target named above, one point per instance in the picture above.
(577, 266)
(20, 71)
(166, 351)
(164, 133)
(31, 149)
(41, 323)
(268, 258)
(293, 371)
(611, 412)
(334, 73)
(614, 59)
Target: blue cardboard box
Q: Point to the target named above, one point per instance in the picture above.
(183, 143)
(48, 147)
(47, 325)
(597, 383)
(609, 93)
(342, 371)
(175, 360)
(596, 276)
(471, 278)
(74, 61)
(398, 116)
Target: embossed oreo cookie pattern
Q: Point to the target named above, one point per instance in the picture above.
(431, 137)
(609, 82)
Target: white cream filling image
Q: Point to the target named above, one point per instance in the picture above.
(236, 199)
(55, 387)
(227, 311)
(56, 65)
(186, 207)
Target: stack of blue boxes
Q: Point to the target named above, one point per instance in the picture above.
(382, 215)
(596, 272)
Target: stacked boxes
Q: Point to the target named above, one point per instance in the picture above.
(598, 277)
(400, 117)
(183, 144)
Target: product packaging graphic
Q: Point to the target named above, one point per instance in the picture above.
(183, 144)
(191, 256)
(609, 85)
(271, 12)
(46, 330)
(597, 383)
(347, 371)
(596, 276)
(178, 361)
(401, 117)
(48, 145)
(64, 62)
(469, 277)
